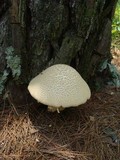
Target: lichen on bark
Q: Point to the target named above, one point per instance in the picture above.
(43, 33)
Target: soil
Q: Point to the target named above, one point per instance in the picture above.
(88, 132)
(116, 57)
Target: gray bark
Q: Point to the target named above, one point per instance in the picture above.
(37, 34)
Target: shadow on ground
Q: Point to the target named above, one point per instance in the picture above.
(90, 132)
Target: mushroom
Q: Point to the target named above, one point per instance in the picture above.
(59, 86)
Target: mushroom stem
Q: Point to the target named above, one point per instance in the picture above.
(54, 109)
(58, 110)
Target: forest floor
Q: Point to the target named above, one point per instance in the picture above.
(89, 132)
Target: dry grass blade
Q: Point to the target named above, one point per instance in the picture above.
(74, 134)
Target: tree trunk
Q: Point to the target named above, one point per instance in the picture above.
(38, 34)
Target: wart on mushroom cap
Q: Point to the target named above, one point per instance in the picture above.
(59, 86)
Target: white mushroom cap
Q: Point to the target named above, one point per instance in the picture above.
(59, 86)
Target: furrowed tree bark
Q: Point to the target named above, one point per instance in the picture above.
(38, 34)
